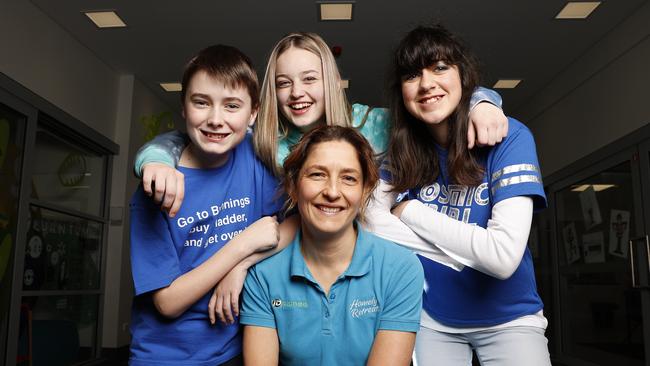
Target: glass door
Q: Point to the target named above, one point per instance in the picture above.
(641, 244)
(603, 314)
(12, 135)
(62, 265)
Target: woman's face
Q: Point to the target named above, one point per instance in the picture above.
(433, 94)
(329, 191)
(299, 87)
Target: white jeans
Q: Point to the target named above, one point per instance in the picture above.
(512, 346)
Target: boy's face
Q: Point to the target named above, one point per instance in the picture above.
(216, 117)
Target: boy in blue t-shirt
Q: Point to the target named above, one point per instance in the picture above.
(176, 262)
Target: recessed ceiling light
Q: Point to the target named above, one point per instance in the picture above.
(172, 87)
(577, 10)
(596, 187)
(105, 19)
(335, 10)
(345, 83)
(506, 83)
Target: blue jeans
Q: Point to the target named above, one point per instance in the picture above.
(512, 346)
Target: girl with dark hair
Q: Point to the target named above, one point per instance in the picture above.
(467, 213)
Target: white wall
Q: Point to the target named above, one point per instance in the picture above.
(44, 58)
(601, 97)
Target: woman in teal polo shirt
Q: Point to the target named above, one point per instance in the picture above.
(337, 295)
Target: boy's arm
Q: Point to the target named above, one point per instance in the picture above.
(155, 163)
(188, 288)
(224, 303)
(489, 125)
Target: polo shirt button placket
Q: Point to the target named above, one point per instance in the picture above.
(327, 325)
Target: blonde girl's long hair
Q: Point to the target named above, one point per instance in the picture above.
(271, 124)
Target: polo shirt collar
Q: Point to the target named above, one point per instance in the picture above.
(359, 266)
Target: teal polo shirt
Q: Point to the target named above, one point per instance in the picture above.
(381, 289)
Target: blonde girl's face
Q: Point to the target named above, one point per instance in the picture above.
(300, 88)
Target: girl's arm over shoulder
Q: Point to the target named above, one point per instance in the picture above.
(155, 162)
(488, 124)
(165, 148)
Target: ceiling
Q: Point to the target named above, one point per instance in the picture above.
(513, 38)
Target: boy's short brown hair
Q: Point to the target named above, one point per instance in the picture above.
(226, 64)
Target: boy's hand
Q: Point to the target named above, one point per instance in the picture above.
(166, 184)
(262, 235)
(224, 302)
(488, 125)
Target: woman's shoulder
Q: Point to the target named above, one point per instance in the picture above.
(392, 252)
(271, 266)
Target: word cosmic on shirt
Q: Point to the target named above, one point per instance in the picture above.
(199, 222)
(450, 200)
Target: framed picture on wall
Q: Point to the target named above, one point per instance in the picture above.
(619, 233)
(571, 245)
(590, 208)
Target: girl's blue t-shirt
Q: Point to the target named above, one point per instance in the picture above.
(470, 298)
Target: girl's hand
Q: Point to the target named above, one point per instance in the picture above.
(488, 125)
(166, 184)
(224, 303)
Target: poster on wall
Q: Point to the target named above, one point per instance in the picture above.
(590, 208)
(619, 233)
(571, 246)
(593, 247)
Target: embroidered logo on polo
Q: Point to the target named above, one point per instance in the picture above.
(360, 307)
(289, 304)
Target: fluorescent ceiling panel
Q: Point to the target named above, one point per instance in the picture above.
(171, 87)
(596, 187)
(577, 10)
(506, 83)
(335, 11)
(105, 19)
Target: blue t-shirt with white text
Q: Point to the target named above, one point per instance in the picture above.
(470, 298)
(220, 204)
